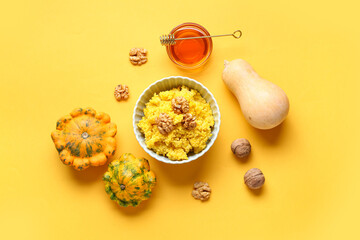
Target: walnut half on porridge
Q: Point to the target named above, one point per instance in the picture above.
(201, 191)
(180, 105)
(189, 121)
(164, 123)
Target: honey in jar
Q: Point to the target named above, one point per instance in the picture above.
(190, 53)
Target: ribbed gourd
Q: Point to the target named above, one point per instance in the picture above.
(129, 180)
(85, 138)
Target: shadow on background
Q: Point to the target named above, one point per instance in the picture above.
(89, 175)
(272, 136)
(134, 211)
(193, 73)
(257, 192)
(182, 174)
(92, 174)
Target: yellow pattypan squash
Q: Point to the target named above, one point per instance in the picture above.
(129, 180)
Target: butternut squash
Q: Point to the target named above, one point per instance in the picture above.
(264, 104)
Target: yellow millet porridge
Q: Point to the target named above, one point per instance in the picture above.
(177, 122)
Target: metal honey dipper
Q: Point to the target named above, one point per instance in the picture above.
(169, 39)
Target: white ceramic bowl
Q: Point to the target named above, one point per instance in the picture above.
(167, 84)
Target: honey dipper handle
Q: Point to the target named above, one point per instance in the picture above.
(167, 40)
(236, 34)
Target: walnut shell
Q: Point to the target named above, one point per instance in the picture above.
(241, 147)
(254, 178)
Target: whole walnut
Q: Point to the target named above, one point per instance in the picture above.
(254, 178)
(241, 147)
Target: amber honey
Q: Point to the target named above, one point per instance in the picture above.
(190, 53)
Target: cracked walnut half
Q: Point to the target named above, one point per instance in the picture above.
(189, 121)
(138, 56)
(201, 191)
(121, 92)
(164, 123)
(180, 105)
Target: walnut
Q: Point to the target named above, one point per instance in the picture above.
(138, 56)
(164, 123)
(241, 147)
(201, 191)
(189, 121)
(180, 105)
(121, 92)
(254, 178)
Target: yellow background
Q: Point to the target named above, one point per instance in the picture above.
(58, 55)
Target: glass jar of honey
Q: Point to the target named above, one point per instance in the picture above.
(190, 53)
